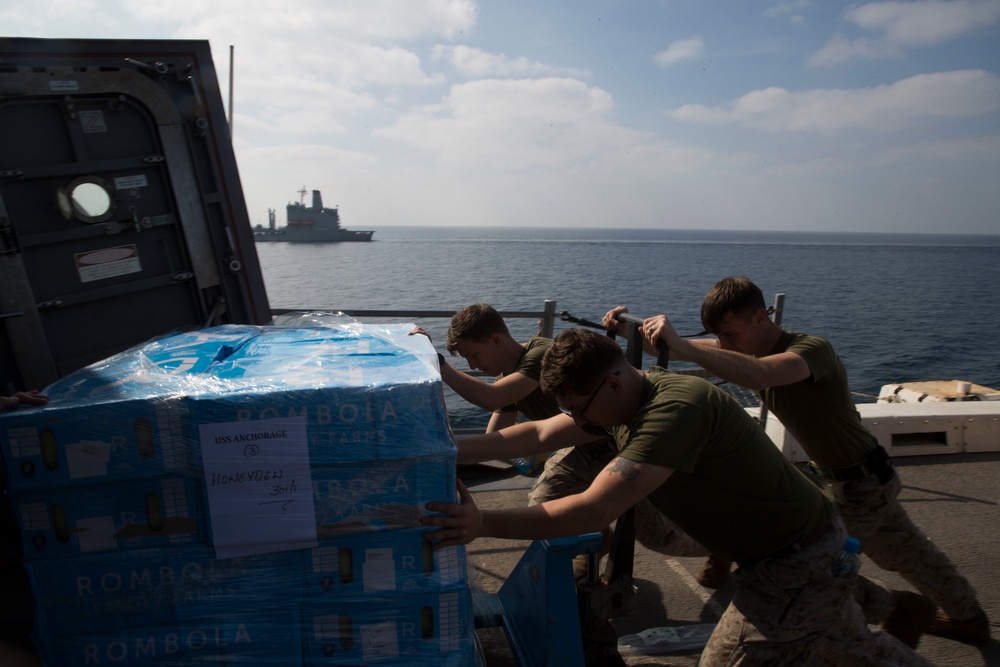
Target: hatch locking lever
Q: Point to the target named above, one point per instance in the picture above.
(156, 69)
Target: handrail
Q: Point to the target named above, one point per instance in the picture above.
(546, 325)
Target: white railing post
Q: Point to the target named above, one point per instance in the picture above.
(546, 326)
(779, 306)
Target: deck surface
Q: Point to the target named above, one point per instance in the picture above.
(954, 499)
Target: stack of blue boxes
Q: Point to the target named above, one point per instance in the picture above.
(245, 495)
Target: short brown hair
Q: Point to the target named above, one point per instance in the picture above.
(737, 296)
(577, 360)
(476, 323)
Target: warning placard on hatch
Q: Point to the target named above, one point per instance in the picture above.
(107, 263)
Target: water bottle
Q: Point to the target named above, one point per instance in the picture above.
(849, 561)
(526, 465)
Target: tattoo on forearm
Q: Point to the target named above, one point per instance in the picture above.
(627, 469)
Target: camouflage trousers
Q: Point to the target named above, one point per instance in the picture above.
(872, 513)
(790, 610)
(571, 470)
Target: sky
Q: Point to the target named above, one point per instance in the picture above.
(779, 115)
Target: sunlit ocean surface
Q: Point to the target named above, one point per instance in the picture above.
(897, 307)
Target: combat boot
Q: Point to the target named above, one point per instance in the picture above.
(714, 572)
(975, 630)
(910, 617)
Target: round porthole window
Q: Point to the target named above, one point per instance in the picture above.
(88, 199)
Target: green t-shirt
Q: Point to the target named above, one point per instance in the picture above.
(536, 405)
(731, 489)
(819, 411)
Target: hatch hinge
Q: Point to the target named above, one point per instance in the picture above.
(8, 242)
(69, 107)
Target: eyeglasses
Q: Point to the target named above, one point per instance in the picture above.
(578, 414)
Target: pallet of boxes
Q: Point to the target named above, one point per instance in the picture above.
(246, 495)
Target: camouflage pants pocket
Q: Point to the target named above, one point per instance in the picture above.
(779, 615)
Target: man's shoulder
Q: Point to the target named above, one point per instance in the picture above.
(793, 341)
(534, 348)
(538, 341)
(668, 384)
(529, 363)
(818, 354)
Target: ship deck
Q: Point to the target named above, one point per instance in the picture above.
(955, 499)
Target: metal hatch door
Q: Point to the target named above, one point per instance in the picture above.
(121, 212)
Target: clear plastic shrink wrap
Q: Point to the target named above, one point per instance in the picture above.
(246, 495)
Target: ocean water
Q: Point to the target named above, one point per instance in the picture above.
(897, 307)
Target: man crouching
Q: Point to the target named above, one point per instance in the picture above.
(700, 459)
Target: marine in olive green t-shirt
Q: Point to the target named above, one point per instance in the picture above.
(536, 405)
(819, 411)
(731, 489)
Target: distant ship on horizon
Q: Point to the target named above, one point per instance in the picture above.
(308, 224)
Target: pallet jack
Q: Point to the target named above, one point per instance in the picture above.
(550, 619)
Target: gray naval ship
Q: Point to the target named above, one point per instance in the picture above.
(308, 224)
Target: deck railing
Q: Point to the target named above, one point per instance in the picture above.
(546, 317)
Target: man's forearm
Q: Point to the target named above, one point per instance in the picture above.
(518, 440)
(563, 517)
(524, 439)
(735, 367)
(477, 392)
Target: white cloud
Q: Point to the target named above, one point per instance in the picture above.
(345, 48)
(903, 25)
(685, 49)
(924, 23)
(299, 66)
(477, 63)
(840, 49)
(968, 150)
(918, 99)
(305, 21)
(793, 10)
(388, 67)
(515, 124)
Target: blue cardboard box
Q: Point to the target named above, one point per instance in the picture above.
(125, 417)
(62, 445)
(158, 587)
(138, 514)
(367, 393)
(245, 637)
(390, 628)
(125, 533)
(358, 497)
(346, 423)
(380, 562)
